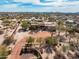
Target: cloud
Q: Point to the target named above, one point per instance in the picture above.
(36, 2)
(8, 6)
(70, 3)
(49, 2)
(41, 2)
(40, 5)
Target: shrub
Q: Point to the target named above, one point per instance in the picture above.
(8, 41)
(51, 41)
(3, 52)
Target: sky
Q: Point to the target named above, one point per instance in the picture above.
(39, 6)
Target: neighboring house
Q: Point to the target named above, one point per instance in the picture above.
(50, 26)
(70, 23)
(77, 28)
(44, 23)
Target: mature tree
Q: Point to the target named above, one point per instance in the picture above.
(25, 24)
(51, 41)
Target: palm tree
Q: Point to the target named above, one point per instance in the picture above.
(30, 41)
(60, 27)
(40, 41)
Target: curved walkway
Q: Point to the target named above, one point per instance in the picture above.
(15, 54)
(16, 50)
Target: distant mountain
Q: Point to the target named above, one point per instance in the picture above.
(77, 13)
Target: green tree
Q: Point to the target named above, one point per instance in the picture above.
(51, 41)
(25, 24)
(7, 41)
(30, 40)
(3, 52)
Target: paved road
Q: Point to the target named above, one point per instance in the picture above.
(28, 56)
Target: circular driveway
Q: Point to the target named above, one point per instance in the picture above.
(28, 56)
